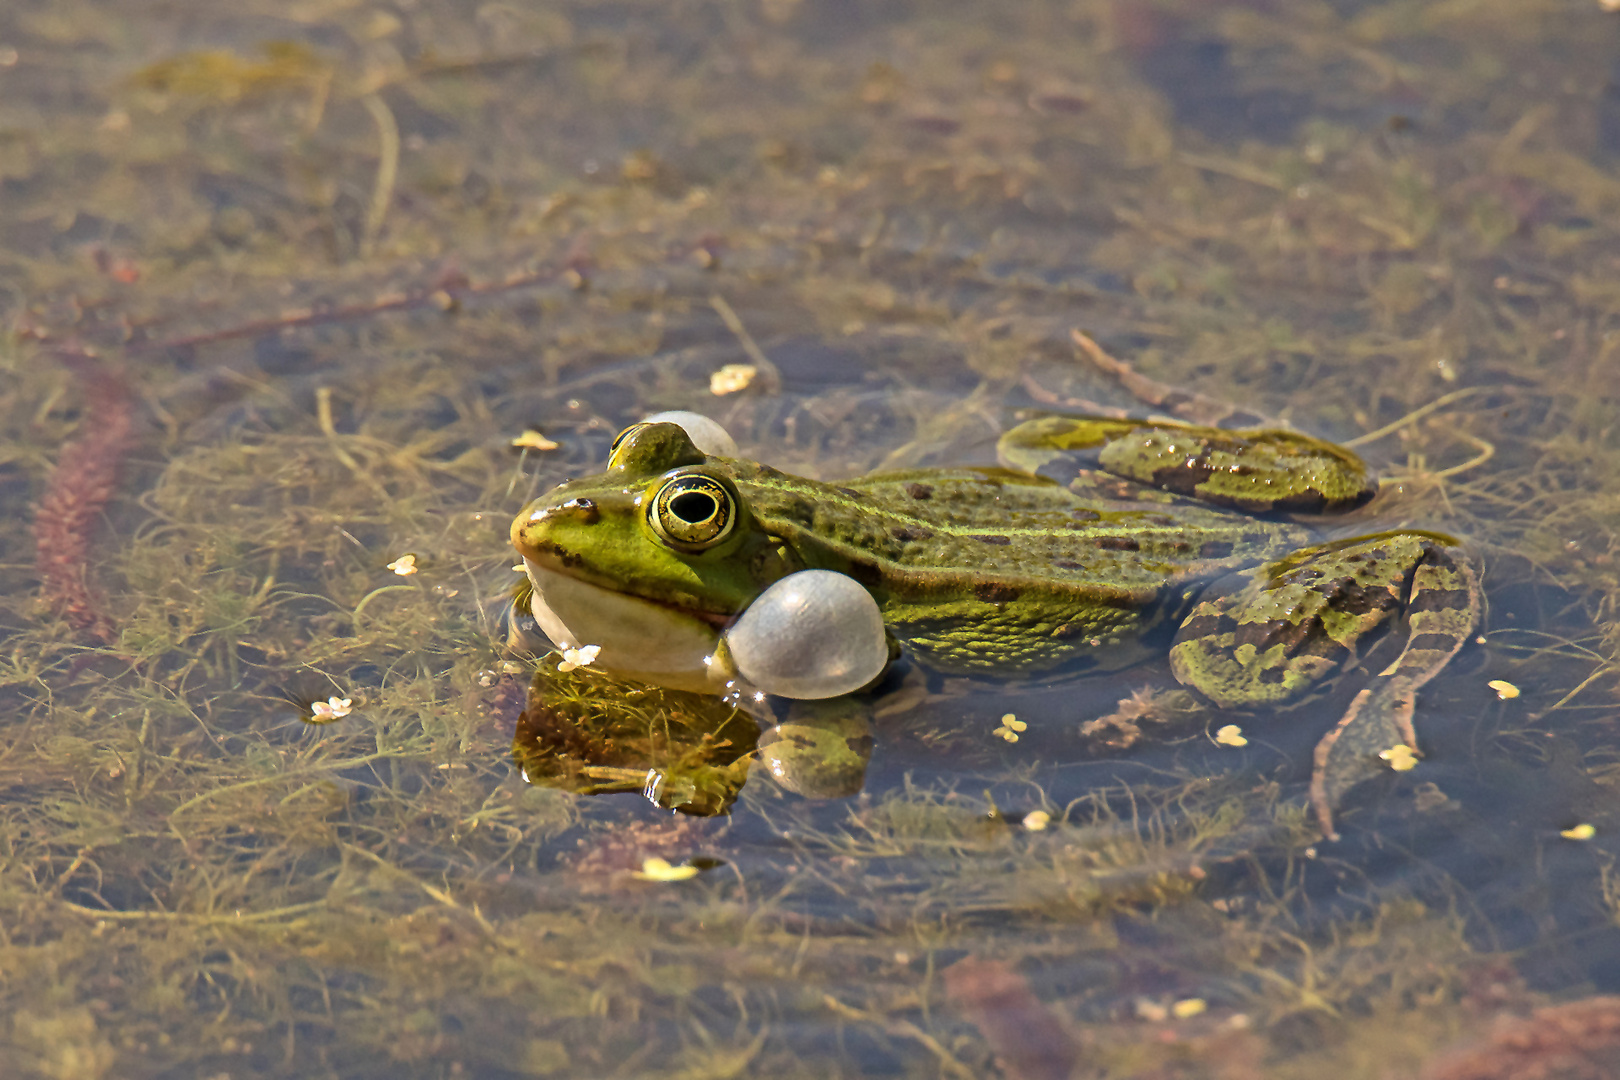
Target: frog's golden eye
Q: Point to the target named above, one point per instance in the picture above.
(618, 441)
(693, 512)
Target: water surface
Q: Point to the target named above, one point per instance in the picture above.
(327, 260)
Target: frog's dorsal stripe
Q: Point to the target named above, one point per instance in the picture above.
(1075, 579)
(959, 522)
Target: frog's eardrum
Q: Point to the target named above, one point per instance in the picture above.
(813, 634)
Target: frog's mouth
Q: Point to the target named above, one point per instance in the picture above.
(638, 638)
(539, 567)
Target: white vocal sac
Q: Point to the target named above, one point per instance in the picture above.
(813, 634)
(706, 434)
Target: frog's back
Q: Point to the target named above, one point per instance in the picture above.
(988, 569)
(987, 523)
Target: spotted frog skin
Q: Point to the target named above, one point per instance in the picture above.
(1092, 537)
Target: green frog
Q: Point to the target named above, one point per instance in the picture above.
(1094, 541)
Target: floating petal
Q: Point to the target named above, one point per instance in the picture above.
(1400, 757)
(656, 869)
(732, 378)
(583, 656)
(333, 708)
(533, 440)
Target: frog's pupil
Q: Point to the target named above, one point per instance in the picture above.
(693, 507)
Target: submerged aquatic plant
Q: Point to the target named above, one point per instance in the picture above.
(80, 486)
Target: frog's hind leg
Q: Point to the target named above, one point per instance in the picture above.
(1290, 625)
(1259, 471)
(1441, 612)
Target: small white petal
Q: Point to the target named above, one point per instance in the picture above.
(732, 378)
(656, 869)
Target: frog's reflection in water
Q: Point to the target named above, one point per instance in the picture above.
(589, 733)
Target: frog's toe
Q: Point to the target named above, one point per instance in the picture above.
(1374, 734)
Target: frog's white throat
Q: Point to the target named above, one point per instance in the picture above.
(639, 639)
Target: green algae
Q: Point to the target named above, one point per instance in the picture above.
(347, 253)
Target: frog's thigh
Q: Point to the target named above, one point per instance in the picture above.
(1036, 444)
(1290, 624)
(1257, 470)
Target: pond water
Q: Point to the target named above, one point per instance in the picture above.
(292, 290)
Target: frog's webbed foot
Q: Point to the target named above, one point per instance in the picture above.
(1295, 623)
(1376, 730)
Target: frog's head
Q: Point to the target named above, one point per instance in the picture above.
(650, 559)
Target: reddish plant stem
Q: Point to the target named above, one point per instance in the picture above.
(79, 488)
(86, 473)
(1029, 1040)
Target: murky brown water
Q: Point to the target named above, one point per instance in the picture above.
(332, 258)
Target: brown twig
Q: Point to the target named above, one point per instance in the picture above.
(447, 294)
